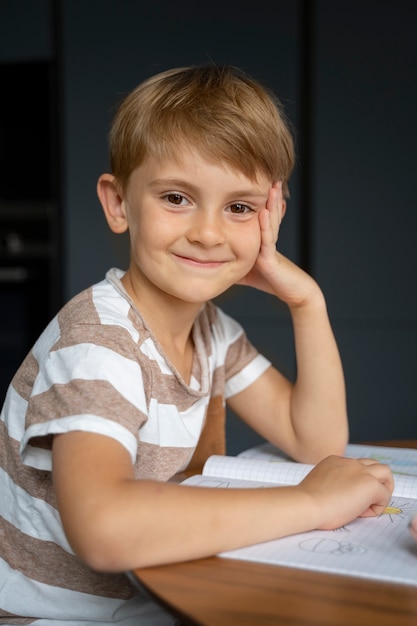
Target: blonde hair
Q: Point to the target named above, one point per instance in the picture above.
(225, 114)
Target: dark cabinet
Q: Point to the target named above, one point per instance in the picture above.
(29, 221)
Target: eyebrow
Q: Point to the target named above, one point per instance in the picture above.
(178, 182)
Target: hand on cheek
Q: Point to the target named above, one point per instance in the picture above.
(275, 206)
(270, 219)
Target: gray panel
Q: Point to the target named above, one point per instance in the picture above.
(380, 367)
(25, 30)
(365, 218)
(365, 158)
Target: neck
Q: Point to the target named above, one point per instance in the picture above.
(171, 320)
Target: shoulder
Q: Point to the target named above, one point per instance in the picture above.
(100, 311)
(101, 303)
(94, 329)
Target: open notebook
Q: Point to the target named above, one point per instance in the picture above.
(380, 547)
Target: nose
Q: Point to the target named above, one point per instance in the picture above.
(206, 228)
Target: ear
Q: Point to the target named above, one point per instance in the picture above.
(283, 208)
(112, 202)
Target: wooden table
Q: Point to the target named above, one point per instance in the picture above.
(224, 592)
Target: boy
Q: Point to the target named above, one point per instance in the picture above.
(126, 386)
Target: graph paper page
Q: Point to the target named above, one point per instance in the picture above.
(380, 548)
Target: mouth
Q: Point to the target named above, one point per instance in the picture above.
(197, 262)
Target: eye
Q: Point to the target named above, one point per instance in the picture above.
(239, 209)
(175, 198)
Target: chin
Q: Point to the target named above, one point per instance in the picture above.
(198, 294)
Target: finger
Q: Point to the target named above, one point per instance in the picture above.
(281, 204)
(267, 235)
(375, 510)
(384, 474)
(381, 500)
(380, 471)
(369, 461)
(275, 205)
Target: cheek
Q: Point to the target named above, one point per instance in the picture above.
(159, 228)
(148, 234)
(250, 243)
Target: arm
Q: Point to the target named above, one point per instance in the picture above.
(307, 419)
(116, 523)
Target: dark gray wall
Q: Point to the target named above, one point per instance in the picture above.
(359, 122)
(25, 30)
(365, 218)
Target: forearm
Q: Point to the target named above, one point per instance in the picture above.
(115, 523)
(151, 523)
(318, 399)
(315, 422)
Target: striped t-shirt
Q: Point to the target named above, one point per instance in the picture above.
(97, 367)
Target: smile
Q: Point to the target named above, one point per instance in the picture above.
(204, 263)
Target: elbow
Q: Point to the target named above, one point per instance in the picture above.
(98, 557)
(99, 542)
(106, 558)
(341, 440)
(109, 561)
(335, 446)
(110, 535)
(97, 553)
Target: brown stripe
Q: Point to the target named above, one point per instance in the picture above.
(217, 385)
(239, 354)
(36, 483)
(165, 388)
(160, 463)
(79, 310)
(213, 437)
(80, 397)
(206, 320)
(14, 619)
(112, 337)
(25, 375)
(47, 563)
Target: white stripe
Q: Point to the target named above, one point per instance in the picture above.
(228, 329)
(42, 459)
(115, 311)
(27, 598)
(13, 414)
(149, 350)
(47, 339)
(90, 362)
(167, 427)
(31, 515)
(247, 376)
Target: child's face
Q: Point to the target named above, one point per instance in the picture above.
(194, 226)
